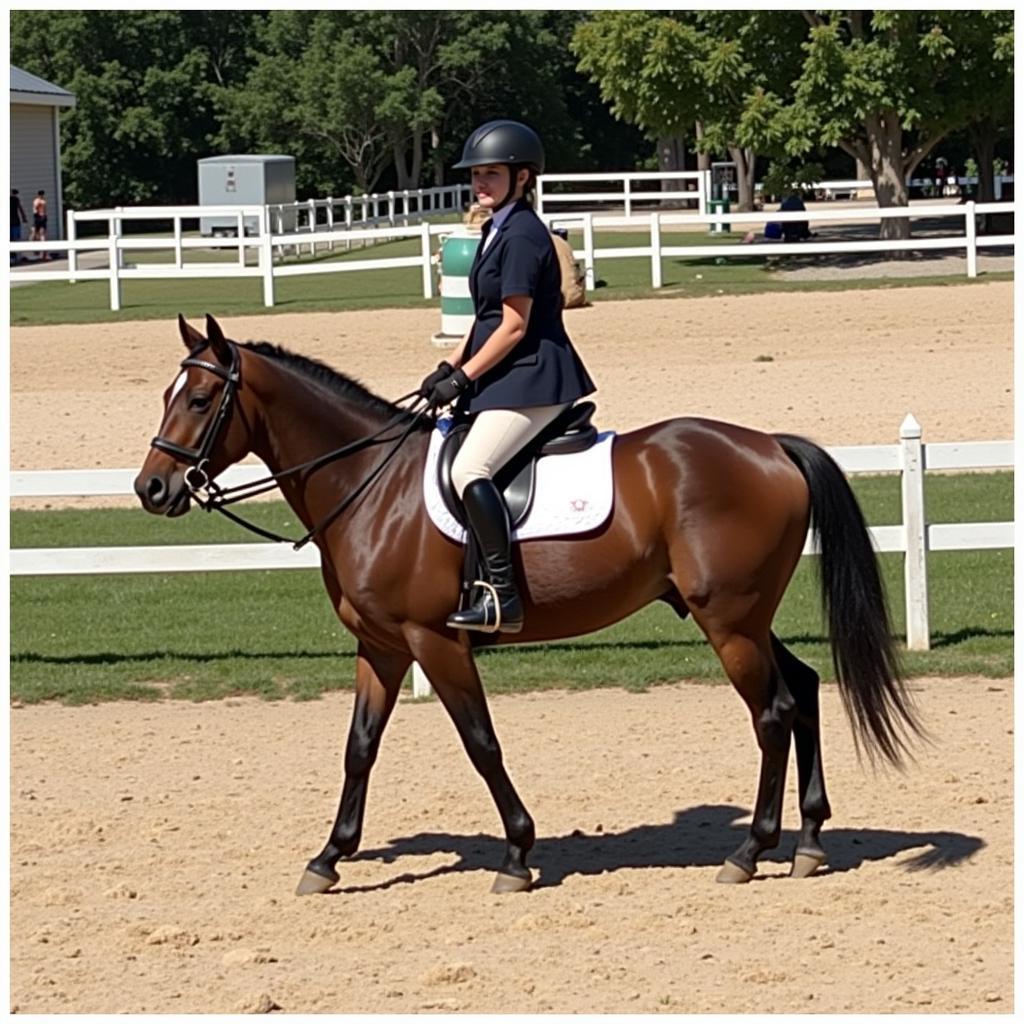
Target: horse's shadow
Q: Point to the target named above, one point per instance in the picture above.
(698, 837)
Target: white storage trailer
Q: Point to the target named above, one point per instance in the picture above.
(245, 180)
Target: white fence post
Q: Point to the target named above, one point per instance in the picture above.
(655, 249)
(266, 256)
(539, 192)
(179, 256)
(915, 570)
(330, 221)
(971, 230)
(428, 270)
(420, 683)
(120, 251)
(114, 225)
(312, 225)
(241, 240)
(590, 270)
(72, 234)
(627, 191)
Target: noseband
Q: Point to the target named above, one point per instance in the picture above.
(196, 477)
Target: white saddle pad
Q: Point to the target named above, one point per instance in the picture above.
(573, 492)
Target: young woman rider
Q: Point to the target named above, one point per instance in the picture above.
(516, 369)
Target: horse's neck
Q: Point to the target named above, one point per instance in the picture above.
(296, 424)
(299, 421)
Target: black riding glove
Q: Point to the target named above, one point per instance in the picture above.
(444, 369)
(446, 391)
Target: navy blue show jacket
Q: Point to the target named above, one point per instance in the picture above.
(543, 368)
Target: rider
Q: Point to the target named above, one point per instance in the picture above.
(516, 370)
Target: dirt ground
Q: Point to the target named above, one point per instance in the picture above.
(155, 849)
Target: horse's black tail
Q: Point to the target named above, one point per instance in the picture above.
(854, 605)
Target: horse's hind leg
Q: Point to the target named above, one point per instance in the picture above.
(378, 683)
(803, 683)
(750, 666)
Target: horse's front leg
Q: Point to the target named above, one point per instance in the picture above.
(378, 683)
(449, 665)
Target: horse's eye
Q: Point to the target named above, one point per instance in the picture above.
(199, 403)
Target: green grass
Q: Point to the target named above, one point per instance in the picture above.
(201, 636)
(88, 301)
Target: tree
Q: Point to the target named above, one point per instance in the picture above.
(641, 62)
(878, 85)
(979, 92)
(314, 92)
(719, 74)
(146, 85)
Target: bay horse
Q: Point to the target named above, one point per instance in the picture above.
(709, 517)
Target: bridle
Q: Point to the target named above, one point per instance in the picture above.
(196, 477)
(211, 497)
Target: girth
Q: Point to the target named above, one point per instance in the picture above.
(570, 432)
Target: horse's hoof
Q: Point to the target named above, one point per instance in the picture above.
(805, 864)
(312, 882)
(732, 874)
(511, 883)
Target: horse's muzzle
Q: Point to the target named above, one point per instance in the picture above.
(163, 496)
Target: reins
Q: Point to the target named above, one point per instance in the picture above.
(214, 497)
(211, 497)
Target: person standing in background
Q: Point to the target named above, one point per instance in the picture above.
(39, 221)
(17, 219)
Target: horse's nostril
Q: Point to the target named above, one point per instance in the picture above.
(156, 491)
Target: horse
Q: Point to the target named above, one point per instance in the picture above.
(707, 516)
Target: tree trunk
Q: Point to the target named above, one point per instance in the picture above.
(703, 159)
(885, 144)
(402, 176)
(435, 146)
(417, 160)
(863, 172)
(744, 159)
(983, 141)
(671, 157)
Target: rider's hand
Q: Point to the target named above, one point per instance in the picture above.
(446, 391)
(444, 369)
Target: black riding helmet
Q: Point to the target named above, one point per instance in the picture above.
(503, 142)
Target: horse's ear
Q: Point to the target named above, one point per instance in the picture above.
(218, 343)
(189, 335)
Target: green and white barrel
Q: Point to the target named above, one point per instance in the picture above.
(457, 252)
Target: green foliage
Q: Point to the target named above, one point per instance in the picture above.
(147, 85)
(885, 86)
(363, 99)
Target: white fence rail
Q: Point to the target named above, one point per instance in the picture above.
(341, 216)
(968, 240)
(626, 189)
(635, 188)
(914, 536)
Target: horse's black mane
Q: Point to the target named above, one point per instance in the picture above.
(345, 387)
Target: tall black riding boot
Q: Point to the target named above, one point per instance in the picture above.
(498, 608)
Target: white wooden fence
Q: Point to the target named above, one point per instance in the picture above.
(963, 237)
(341, 216)
(626, 189)
(914, 536)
